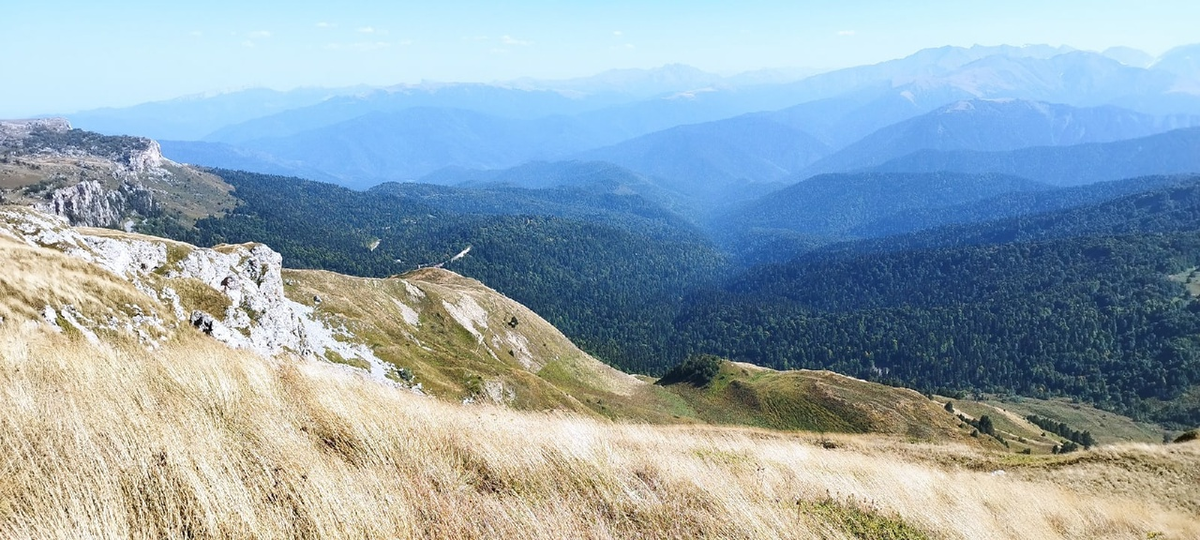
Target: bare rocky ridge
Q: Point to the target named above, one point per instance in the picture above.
(98, 180)
(245, 278)
(51, 136)
(12, 131)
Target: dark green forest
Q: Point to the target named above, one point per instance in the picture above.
(1074, 302)
(1094, 318)
(614, 282)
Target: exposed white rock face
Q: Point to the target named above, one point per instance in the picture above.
(259, 318)
(408, 314)
(146, 159)
(321, 337)
(128, 258)
(109, 198)
(38, 229)
(136, 154)
(90, 204)
(20, 129)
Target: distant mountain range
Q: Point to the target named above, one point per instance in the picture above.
(194, 117)
(997, 125)
(1173, 152)
(702, 144)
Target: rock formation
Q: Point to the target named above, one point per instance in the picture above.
(258, 315)
(90, 204)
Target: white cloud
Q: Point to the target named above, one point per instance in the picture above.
(509, 40)
(196, 33)
(475, 38)
(618, 33)
(846, 33)
(366, 30)
(324, 24)
(259, 34)
(248, 44)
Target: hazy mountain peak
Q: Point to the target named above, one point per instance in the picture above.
(1129, 56)
(772, 76)
(1183, 61)
(951, 56)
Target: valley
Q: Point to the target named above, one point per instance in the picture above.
(948, 295)
(158, 411)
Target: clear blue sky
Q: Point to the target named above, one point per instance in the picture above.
(60, 56)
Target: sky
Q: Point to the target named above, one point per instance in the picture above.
(62, 56)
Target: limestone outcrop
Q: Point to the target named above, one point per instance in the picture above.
(90, 204)
(245, 279)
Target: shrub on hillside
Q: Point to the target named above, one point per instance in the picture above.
(697, 370)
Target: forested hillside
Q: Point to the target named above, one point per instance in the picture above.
(1095, 318)
(1163, 204)
(1076, 302)
(614, 287)
(834, 207)
(1079, 302)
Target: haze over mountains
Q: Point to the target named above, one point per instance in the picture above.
(457, 124)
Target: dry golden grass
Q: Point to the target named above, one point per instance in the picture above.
(36, 277)
(443, 355)
(197, 441)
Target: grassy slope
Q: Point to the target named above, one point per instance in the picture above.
(33, 278)
(444, 356)
(452, 363)
(1105, 426)
(820, 401)
(195, 440)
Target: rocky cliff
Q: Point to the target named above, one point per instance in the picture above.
(98, 180)
(12, 131)
(233, 293)
(91, 204)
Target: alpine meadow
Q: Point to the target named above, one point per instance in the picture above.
(600, 270)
